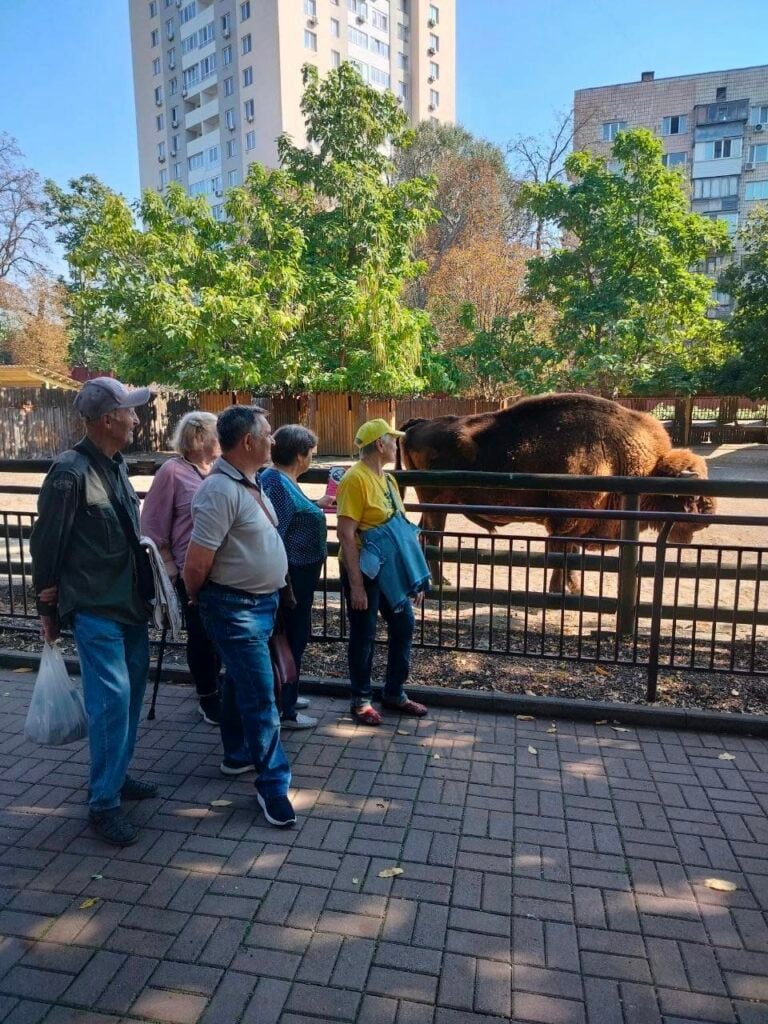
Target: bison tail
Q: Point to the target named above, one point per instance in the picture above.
(680, 462)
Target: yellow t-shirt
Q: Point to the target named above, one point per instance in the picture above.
(367, 498)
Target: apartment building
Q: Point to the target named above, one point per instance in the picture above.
(217, 81)
(714, 127)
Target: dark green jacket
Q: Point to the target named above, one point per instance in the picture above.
(78, 544)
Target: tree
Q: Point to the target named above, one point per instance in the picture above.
(626, 298)
(36, 330)
(747, 284)
(22, 235)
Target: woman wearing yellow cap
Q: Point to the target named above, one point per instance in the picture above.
(368, 499)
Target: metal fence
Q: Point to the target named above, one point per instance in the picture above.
(643, 602)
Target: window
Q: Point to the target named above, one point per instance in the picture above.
(379, 77)
(216, 184)
(245, 10)
(177, 172)
(380, 20)
(759, 115)
(159, 95)
(359, 7)
(360, 67)
(206, 34)
(189, 44)
(758, 154)
(161, 151)
(191, 76)
(434, 70)
(172, 58)
(731, 219)
(156, 66)
(250, 141)
(188, 12)
(229, 118)
(247, 77)
(246, 44)
(377, 46)
(310, 40)
(402, 5)
(402, 61)
(208, 66)
(358, 38)
(175, 139)
(721, 92)
(335, 58)
(229, 86)
(674, 159)
(402, 31)
(434, 98)
(249, 110)
(675, 125)
(226, 56)
(719, 149)
(611, 129)
(153, 8)
(231, 148)
(226, 24)
(213, 155)
(173, 86)
(402, 90)
(174, 117)
(160, 122)
(716, 188)
(218, 211)
(194, 163)
(434, 13)
(756, 190)
(310, 8)
(232, 178)
(169, 31)
(335, 28)
(434, 42)
(198, 189)
(163, 177)
(155, 36)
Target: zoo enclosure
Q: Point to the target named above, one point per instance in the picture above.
(655, 605)
(39, 422)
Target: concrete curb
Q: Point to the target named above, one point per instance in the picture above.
(645, 715)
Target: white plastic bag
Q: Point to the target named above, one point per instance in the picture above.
(56, 712)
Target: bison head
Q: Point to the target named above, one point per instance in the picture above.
(682, 463)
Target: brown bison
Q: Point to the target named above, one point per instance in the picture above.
(570, 433)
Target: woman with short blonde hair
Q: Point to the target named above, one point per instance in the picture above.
(167, 518)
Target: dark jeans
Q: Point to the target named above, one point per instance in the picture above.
(362, 638)
(241, 625)
(298, 624)
(204, 663)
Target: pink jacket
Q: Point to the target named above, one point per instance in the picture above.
(166, 515)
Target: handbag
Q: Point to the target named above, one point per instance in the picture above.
(283, 663)
(145, 579)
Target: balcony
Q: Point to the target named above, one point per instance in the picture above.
(205, 112)
(716, 113)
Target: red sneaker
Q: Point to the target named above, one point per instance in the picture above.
(366, 716)
(408, 707)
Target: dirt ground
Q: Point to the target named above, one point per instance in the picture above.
(558, 634)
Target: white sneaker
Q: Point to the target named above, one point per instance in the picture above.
(301, 703)
(300, 722)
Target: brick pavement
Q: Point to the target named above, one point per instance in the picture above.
(562, 886)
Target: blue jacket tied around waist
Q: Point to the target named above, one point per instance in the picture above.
(392, 553)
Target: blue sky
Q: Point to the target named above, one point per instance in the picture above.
(518, 63)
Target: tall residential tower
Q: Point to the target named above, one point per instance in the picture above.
(217, 81)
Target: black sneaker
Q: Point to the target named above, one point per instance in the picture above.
(113, 827)
(209, 709)
(229, 767)
(135, 790)
(278, 810)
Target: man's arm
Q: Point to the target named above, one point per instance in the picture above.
(197, 566)
(56, 506)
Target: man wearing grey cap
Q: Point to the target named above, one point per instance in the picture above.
(89, 573)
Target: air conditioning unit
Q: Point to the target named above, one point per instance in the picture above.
(432, 23)
(401, 99)
(219, 194)
(171, 64)
(227, 33)
(431, 51)
(185, 93)
(759, 127)
(249, 117)
(361, 19)
(431, 106)
(158, 103)
(174, 123)
(312, 22)
(749, 167)
(161, 159)
(231, 127)
(431, 79)
(179, 3)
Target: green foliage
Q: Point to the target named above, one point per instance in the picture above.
(628, 303)
(299, 288)
(747, 284)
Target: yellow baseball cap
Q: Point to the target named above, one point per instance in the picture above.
(372, 430)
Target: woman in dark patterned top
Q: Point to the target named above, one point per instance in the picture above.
(301, 524)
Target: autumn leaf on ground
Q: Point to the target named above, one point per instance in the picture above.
(532, 750)
(726, 757)
(390, 872)
(90, 902)
(19, 670)
(603, 721)
(619, 728)
(552, 728)
(601, 671)
(402, 732)
(720, 884)
(525, 718)
(221, 803)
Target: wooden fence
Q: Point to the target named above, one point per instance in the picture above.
(40, 422)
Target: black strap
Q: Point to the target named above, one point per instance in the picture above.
(144, 575)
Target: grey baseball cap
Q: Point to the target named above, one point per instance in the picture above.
(103, 394)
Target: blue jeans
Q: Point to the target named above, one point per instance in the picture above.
(240, 626)
(362, 641)
(114, 662)
(298, 624)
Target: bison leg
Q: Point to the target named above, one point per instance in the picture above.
(432, 526)
(563, 578)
